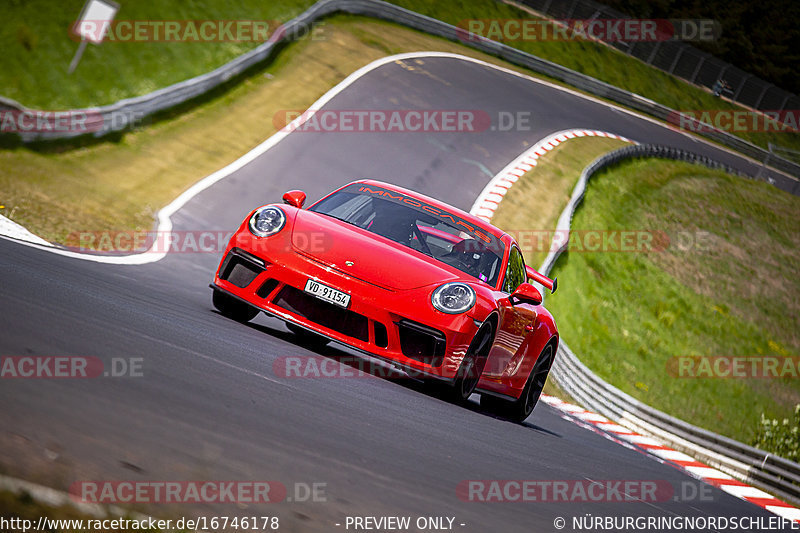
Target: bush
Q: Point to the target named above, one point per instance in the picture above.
(780, 438)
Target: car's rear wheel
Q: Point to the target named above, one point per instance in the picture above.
(232, 308)
(521, 408)
(308, 338)
(469, 373)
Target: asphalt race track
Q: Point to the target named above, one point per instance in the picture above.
(209, 405)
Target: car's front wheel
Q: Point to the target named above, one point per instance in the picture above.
(521, 408)
(232, 308)
(469, 373)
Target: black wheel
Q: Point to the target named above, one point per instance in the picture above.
(232, 308)
(520, 409)
(308, 338)
(469, 373)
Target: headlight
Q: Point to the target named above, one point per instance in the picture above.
(267, 221)
(453, 298)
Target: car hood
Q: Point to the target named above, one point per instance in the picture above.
(364, 255)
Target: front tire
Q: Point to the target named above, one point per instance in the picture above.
(521, 408)
(230, 307)
(469, 373)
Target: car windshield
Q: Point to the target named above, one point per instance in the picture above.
(426, 229)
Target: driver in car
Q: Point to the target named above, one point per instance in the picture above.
(393, 222)
(468, 253)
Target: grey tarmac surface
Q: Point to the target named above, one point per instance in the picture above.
(210, 405)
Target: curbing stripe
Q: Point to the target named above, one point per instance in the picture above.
(487, 202)
(484, 207)
(164, 216)
(686, 463)
(789, 513)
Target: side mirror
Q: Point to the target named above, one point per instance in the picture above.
(295, 198)
(526, 293)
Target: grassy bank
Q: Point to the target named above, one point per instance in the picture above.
(119, 186)
(532, 206)
(38, 49)
(726, 286)
(22, 509)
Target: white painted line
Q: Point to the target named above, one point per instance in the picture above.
(707, 472)
(789, 513)
(511, 172)
(640, 439)
(744, 491)
(165, 214)
(591, 417)
(570, 408)
(672, 455)
(15, 231)
(616, 428)
(552, 400)
(11, 230)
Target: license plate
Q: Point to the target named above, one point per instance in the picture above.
(329, 294)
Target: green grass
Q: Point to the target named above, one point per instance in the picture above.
(119, 186)
(736, 293)
(533, 204)
(20, 507)
(37, 50)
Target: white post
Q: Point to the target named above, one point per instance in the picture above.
(77, 57)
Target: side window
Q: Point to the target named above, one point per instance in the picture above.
(515, 273)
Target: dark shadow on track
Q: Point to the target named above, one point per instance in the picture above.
(381, 370)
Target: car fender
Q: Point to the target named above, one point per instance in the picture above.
(243, 238)
(544, 332)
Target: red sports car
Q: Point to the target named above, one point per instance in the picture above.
(403, 277)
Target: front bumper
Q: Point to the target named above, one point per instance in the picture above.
(400, 326)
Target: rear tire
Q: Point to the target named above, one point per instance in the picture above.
(232, 308)
(308, 338)
(521, 408)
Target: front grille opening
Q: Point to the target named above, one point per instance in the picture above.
(323, 313)
(381, 336)
(239, 271)
(421, 343)
(266, 288)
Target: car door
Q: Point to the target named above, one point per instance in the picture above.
(516, 321)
